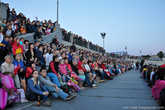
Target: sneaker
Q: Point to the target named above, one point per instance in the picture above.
(46, 103)
(69, 98)
(24, 101)
(94, 85)
(75, 94)
(101, 81)
(82, 88)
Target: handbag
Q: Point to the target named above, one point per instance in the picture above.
(7, 81)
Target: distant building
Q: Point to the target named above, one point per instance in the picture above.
(3, 11)
(155, 58)
(120, 53)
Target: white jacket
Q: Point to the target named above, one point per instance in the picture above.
(1, 37)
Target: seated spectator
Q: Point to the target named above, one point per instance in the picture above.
(96, 69)
(31, 54)
(70, 71)
(40, 57)
(38, 34)
(29, 26)
(8, 92)
(54, 66)
(51, 87)
(26, 45)
(48, 30)
(48, 57)
(35, 92)
(30, 69)
(66, 77)
(73, 48)
(23, 29)
(88, 74)
(17, 47)
(5, 48)
(7, 66)
(107, 74)
(1, 34)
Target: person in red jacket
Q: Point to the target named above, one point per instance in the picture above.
(17, 47)
(95, 67)
(80, 67)
(53, 66)
(30, 69)
(106, 71)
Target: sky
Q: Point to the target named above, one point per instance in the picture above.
(137, 24)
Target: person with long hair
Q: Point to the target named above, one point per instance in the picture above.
(30, 55)
(20, 69)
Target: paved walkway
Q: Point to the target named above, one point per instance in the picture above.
(125, 92)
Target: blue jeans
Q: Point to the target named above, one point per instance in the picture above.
(87, 79)
(102, 75)
(44, 98)
(54, 79)
(56, 94)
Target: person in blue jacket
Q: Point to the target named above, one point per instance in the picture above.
(34, 90)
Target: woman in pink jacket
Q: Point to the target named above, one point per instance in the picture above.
(62, 67)
(66, 77)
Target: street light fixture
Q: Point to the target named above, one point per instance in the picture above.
(103, 37)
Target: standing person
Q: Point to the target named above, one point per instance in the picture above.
(151, 76)
(137, 65)
(134, 66)
(141, 65)
(20, 69)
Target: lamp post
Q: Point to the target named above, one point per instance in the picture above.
(140, 54)
(103, 37)
(126, 53)
(57, 11)
(0, 11)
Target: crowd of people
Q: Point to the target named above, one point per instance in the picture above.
(18, 24)
(36, 71)
(155, 77)
(78, 40)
